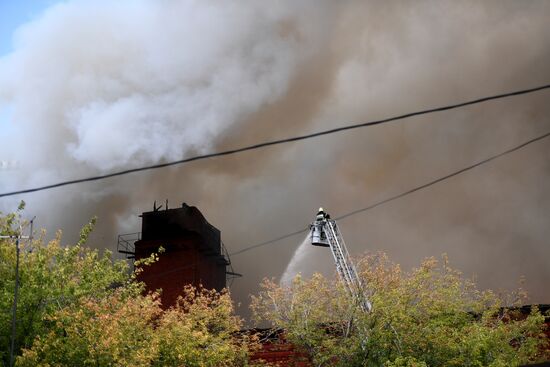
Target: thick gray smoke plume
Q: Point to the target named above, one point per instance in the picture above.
(100, 86)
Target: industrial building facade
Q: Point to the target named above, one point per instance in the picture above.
(193, 251)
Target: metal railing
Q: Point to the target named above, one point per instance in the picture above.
(125, 244)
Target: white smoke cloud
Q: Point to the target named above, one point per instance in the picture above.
(117, 84)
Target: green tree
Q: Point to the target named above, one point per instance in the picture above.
(116, 330)
(126, 329)
(430, 316)
(51, 278)
(202, 330)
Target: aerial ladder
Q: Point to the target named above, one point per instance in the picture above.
(324, 232)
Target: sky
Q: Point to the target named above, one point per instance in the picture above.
(12, 15)
(100, 86)
(15, 13)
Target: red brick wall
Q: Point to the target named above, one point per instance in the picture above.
(276, 350)
(181, 264)
(282, 354)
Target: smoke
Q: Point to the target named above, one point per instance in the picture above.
(100, 86)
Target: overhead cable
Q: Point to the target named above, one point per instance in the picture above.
(274, 142)
(398, 196)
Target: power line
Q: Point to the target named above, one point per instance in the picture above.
(276, 142)
(408, 192)
(269, 241)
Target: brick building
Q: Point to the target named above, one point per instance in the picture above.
(193, 251)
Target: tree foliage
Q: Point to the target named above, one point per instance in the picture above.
(52, 277)
(133, 330)
(430, 316)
